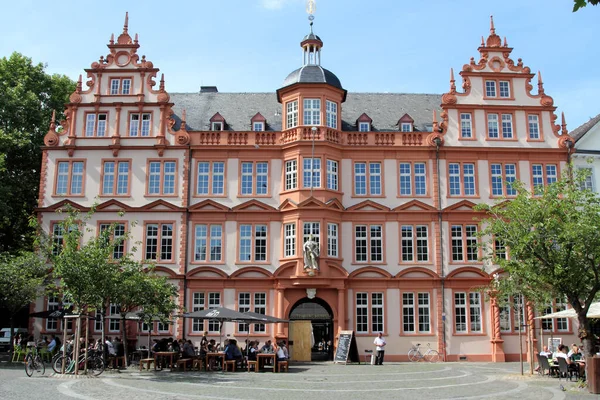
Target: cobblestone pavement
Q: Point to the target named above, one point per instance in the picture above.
(322, 380)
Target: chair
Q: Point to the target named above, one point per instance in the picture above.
(543, 364)
(17, 353)
(45, 354)
(254, 364)
(147, 362)
(368, 352)
(282, 365)
(198, 363)
(230, 363)
(564, 369)
(183, 362)
(118, 361)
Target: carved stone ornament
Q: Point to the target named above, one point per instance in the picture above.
(311, 293)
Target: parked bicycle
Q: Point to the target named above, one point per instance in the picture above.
(34, 361)
(415, 354)
(95, 363)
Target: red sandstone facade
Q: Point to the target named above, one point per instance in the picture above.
(225, 195)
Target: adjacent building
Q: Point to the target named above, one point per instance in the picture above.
(223, 190)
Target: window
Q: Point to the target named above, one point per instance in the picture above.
(208, 237)
(376, 312)
(291, 174)
(312, 173)
(464, 243)
(253, 243)
(115, 178)
(364, 126)
(98, 321)
(161, 177)
(139, 124)
(332, 175)
(214, 301)
(367, 178)
(467, 318)
(216, 126)
(120, 86)
(332, 113)
(492, 126)
(312, 229)
(467, 188)
(118, 237)
(537, 173)
(503, 177)
(57, 238)
(250, 186)
(556, 324)
(500, 249)
(69, 178)
(53, 304)
(95, 124)
(415, 245)
(290, 240)
(588, 182)
(114, 324)
(368, 241)
(245, 305)
(258, 126)
(312, 112)
(260, 307)
(466, 126)
(504, 89)
(533, 126)
(332, 240)
(211, 178)
(421, 311)
(198, 304)
(413, 179)
(159, 234)
(490, 88)
(291, 114)
(405, 127)
(507, 126)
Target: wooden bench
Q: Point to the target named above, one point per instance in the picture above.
(282, 365)
(147, 362)
(183, 362)
(252, 363)
(198, 363)
(230, 363)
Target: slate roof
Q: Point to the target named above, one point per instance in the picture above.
(581, 130)
(312, 74)
(238, 108)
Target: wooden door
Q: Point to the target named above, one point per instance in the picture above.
(300, 335)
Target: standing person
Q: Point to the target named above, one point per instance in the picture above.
(380, 343)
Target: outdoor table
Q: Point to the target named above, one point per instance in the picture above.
(263, 357)
(169, 354)
(215, 355)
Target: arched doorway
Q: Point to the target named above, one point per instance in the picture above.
(320, 315)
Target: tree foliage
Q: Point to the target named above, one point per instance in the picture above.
(22, 280)
(27, 97)
(582, 3)
(553, 242)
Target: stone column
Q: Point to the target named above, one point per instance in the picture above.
(341, 308)
(497, 342)
(280, 311)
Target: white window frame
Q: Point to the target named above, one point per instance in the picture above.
(312, 167)
(362, 312)
(140, 124)
(466, 126)
(214, 301)
(504, 89)
(291, 174)
(311, 112)
(211, 237)
(406, 127)
(377, 311)
(291, 114)
(289, 231)
(493, 126)
(589, 182)
(331, 108)
(372, 240)
(198, 304)
(216, 126)
(364, 126)
(490, 88)
(114, 325)
(332, 175)
(533, 126)
(507, 126)
(258, 126)
(332, 240)
(258, 242)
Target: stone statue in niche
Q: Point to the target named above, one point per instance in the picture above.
(311, 256)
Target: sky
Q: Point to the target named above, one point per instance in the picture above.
(394, 46)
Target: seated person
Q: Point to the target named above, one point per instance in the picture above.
(52, 345)
(575, 353)
(188, 350)
(267, 348)
(562, 353)
(253, 351)
(212, 346)
(232, 351)
(545, 352)
(281, 354)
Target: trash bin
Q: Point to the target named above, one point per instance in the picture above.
(593, 374)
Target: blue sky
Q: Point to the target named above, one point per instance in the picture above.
(372, 46)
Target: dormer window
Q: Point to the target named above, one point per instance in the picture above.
(258, 126)
(258, 122)
(406, 123)
(120, 86)
(217, 122)
(364, 127)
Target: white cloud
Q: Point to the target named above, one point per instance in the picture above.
(276, 4)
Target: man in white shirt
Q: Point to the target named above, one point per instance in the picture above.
(380, 343)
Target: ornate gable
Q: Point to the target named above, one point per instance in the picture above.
(368, 206)
(208, 206)
(414, 205)
(253, 206)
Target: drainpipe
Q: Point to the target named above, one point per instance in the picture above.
(438, 142)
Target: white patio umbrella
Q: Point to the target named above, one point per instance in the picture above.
(593, 312)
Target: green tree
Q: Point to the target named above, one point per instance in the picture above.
(27, 97)
(582, 3)
(22, 279)
(554, 246)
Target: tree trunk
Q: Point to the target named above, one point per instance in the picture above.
(585, 334)
(103, 336)
(11, 345)
(77, 343)
(124, 337)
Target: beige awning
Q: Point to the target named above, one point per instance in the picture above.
(593, 312)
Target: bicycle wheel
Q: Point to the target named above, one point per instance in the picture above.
(57, 364)
(414, 355)
(29, 367)
(432, 356)
(95, 366)
(40, 368)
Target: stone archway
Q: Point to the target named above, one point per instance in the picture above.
(320, 315)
